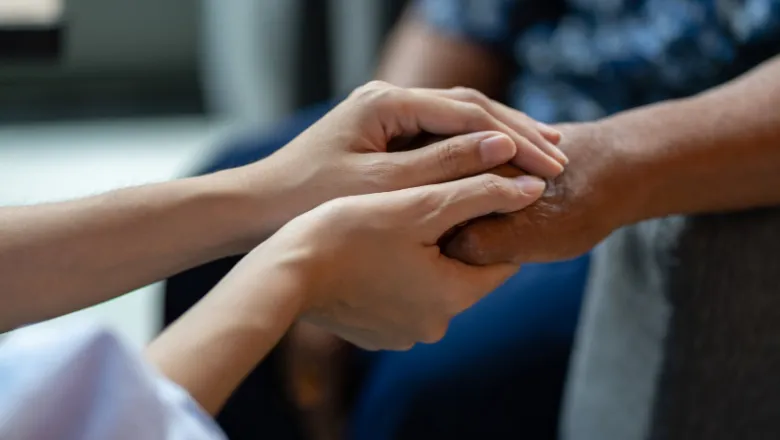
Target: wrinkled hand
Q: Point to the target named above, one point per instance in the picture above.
(370, 266)
(579, 208)
(346, 152)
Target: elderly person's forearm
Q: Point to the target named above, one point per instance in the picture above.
(717, 151)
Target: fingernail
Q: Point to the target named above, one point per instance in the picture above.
(496, 150)
(530, 185)
(558, 154)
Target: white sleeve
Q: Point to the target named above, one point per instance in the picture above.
(86, 384)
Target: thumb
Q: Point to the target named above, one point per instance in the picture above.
(463, 200)
(454, 158)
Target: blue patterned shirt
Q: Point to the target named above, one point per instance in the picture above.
(584, 59)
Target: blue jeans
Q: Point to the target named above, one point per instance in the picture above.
(498, 373)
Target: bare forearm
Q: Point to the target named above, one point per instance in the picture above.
(416, 55)
(718, 151)
(217, 343)
(60, 257)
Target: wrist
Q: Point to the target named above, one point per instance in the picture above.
(282, 296)
(254, 202)
(227, 333)
(627, 177)
(602, 167)
(271, 192)
(228, 208)
(262, 296)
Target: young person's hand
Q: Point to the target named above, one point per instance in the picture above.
(369, 269)
(350, 150)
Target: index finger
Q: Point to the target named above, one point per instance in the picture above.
(407, 113)
(540, 135)
(470, 117)
(456, 202)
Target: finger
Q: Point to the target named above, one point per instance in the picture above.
(454, 158)
(540, 135)
(550, 133)
(546, 137)
(452, 203)
(407, 113)
(534, 153)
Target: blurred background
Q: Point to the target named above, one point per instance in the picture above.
(101, 94)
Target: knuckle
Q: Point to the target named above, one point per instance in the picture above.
(478, 117)
(370, 87)
(376, 92)
(495, 186)
(360, 92)
(400, 346)
(426, 202)
(476, 111)
(335, 208)
(378, 84)
(435, 333)
(471, 95)
(381, 174)
(449, 156)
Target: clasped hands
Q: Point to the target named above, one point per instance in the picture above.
(383, 245)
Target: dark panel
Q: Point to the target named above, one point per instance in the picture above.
(313, 84)
(20, 44)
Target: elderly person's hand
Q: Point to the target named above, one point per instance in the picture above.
(579, 208)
